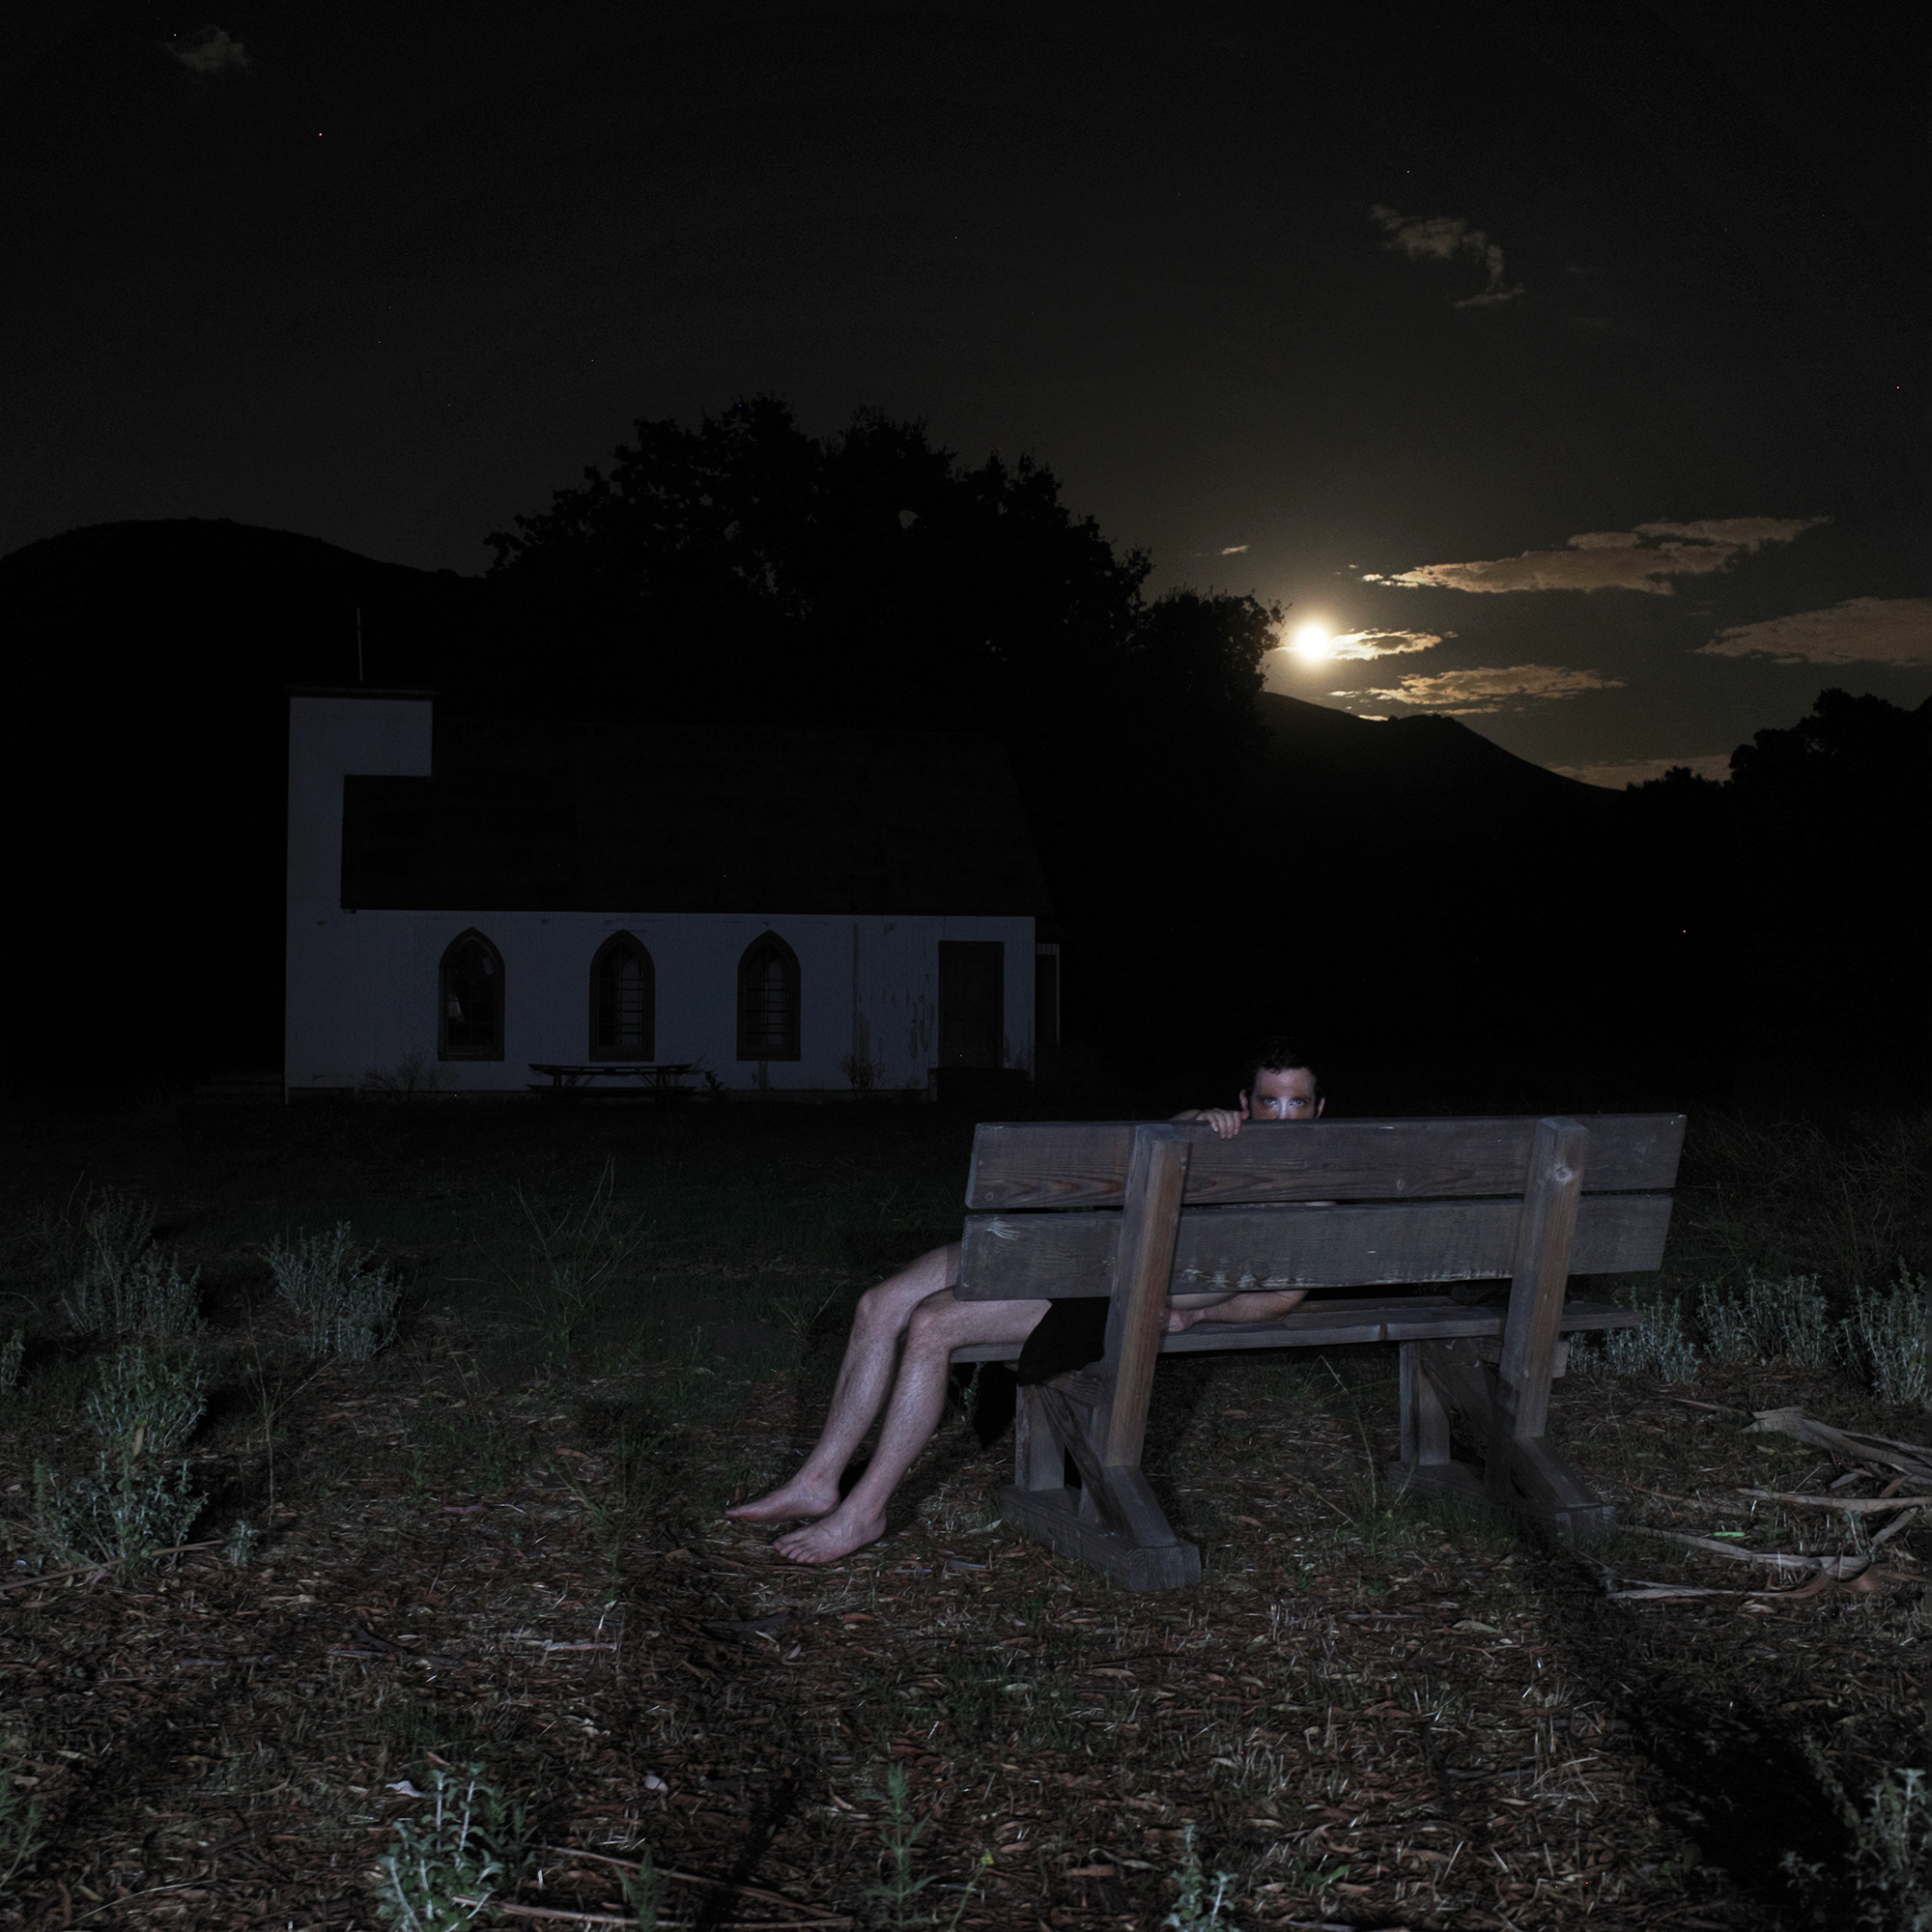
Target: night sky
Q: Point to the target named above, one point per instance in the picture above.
(1562, 364)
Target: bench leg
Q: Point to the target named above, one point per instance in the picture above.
(1039, 1460)
(1425, 1420)
(1115, 1523)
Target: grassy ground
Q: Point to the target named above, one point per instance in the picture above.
(498, 1541)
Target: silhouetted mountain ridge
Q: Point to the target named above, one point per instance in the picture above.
(190, 598)
(1412, 755)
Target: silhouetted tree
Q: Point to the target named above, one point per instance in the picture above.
(743, 568)
(1827, 820)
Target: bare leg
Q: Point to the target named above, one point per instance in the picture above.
(865, 1380)
(938, 1326)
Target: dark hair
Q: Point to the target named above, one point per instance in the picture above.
(1278, 1054)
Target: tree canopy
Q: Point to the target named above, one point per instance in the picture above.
(868, 577)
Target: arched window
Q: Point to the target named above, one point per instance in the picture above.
(469, 999)
(768, 1000)
(623, 1001)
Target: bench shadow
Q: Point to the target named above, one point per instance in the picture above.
(719, 1908)
(1740, 1786)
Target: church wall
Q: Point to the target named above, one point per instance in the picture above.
(868, 994)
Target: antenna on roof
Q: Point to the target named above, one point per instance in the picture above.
(358, 644)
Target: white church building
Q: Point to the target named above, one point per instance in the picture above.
(794, 913)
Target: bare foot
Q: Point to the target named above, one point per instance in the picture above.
(838, 1535)
(797, 1497)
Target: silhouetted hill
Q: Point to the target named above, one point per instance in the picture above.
(1414, 757)
(198, 599)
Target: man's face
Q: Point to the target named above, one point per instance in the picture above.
(1283, 1094)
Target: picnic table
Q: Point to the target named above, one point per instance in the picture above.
(1130, 1211)
(661, 1079)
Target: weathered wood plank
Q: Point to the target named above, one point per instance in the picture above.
(1025, 1164)
(1024, 1256)
(1149, 1223)
(1331, 1323)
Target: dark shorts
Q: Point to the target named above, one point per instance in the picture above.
(1068, 1336)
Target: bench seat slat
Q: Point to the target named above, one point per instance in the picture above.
(1328, 1325)
(1029, 1256)
(1025, 1164)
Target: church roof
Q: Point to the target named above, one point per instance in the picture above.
(524, 816)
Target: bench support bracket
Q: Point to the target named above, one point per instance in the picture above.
(1451, 1381)
(1504, 1405)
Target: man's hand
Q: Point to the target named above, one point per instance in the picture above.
(1225, 1120)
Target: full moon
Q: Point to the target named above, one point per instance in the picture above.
(1311, 640)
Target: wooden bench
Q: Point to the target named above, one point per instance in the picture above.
(1135, 1213)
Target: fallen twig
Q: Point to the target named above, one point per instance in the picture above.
(1854, 1505)
(1891, 1529)
(1776, 1558)
(1657, 1592)
(1845, 1444)
(105, 1564)
(694, 1878)
(1864, 1582)
(631, 1918)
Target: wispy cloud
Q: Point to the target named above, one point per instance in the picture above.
(1234, 550)
(1363, 645)
(1644, 558)
(1641, 770)
(1863, 630)
(1444, 238)
(208, 50)
(1468, 694)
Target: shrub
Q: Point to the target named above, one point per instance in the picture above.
(1657, 1346)
(11, 1351)
(450, 1866)
(1787, 1318)
(1892, 1855)
(350, 1309)
(137, 1500)
(1188, 1913)
(1887, 1883)
(582, 1251)
(414, 1073)
(118, 1282)
(1883, 1338)
(116, 1229)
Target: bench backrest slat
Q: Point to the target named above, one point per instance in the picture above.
(1029, 1256)
(1029, 1164)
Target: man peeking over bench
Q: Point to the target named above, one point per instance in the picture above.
(904, 1334)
